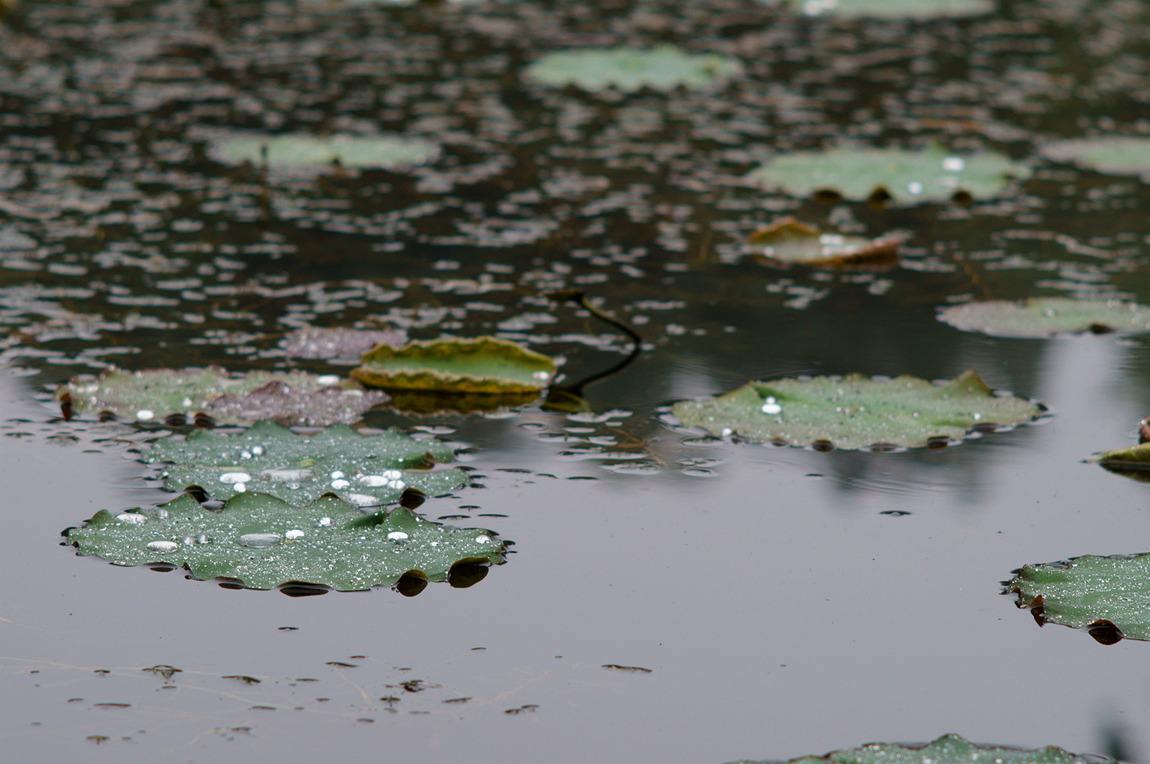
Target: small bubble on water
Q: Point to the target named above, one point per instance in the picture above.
(162, 546)
(260, 540)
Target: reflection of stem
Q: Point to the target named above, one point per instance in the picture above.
(973, 274)
(576, 389)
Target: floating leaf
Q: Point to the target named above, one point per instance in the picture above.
(263, 542)
(948, 749)
(792, 242)
(1133, 462)
(1113, 155)
(630, 69)
(888, 9)
(1107, 596)
(338, 343)
(929, 175)
(856, 411)
(366, 470)
(480, 365)
(158, 394)
(309, 151)
(1047, 316)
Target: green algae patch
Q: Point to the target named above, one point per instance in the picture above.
(894, 9)
(483, 365)
(855, 411)
(264, 543)
(1107, 596)
(299, 151)
(1047, 317)
(181, 395)
(792, 242)
(948, 749)
(1111, 155)
(631, 69)
(364, 470)
(908, 177)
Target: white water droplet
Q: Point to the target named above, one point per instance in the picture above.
(258, 450)
(235, 477)
(397, 536)
(145, 414)
(245, 454)
(324, 522)
(541, 375)
(373, 481)
(953, 164)
(482, 539)
(914, 187)
(771, 406)
(132, 518)
(162, 546)
(339, 485)
(363, 500)
(293, 534)
(337, 475)
(328, 379)
(286, 475)
(260, 540)
(240, 488)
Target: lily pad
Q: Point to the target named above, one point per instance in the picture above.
(310, 151)
(1133, 461)
(366, 470)
(630, 69)
(894, 9)
(338, 343)
(1107, 596)
(948, 749)
(930, 175)
(1047, 316)
(480, 365)
(856, 411)
(1112, 155)
(292, 398)
(263, 542)
(792, 242)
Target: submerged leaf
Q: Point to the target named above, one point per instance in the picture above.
(630, 69)
(948, 749)
(792, 242)
(1113, 155)
(1047, 316)
(264, 542)
(311, 151)
(856, 411)
(157, 394)
(928, 175)
(1107, 596)
(480, 365)
(338, 343)
(366, 470)
(894, 9)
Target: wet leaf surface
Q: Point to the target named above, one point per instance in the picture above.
(1111, 154)
(264, 543)
(1133, 461)
(948, 749)
(482, 365)
(908, 177)
(289, 398)
(856, 412)
(792, 242)
(365, 470)
(308, 151)
(1107, 596)
(1047, 316)
(629, 69)
(337, 343)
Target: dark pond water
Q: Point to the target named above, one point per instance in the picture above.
(785, 601)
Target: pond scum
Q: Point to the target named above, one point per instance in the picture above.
(321, 266)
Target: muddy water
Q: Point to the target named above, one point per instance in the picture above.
(784, 601)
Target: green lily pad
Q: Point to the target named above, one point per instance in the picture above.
(480, 365)
(263, 542)
(386, 152)
(792, 242)
(894, 9)
(929, 175)
(292, 398)
(630, 69)
(856, 412)
(1133, 461)
(1047, 316)
(1112, 155)
(365, 470)
(1107, 596)
(948, 749)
